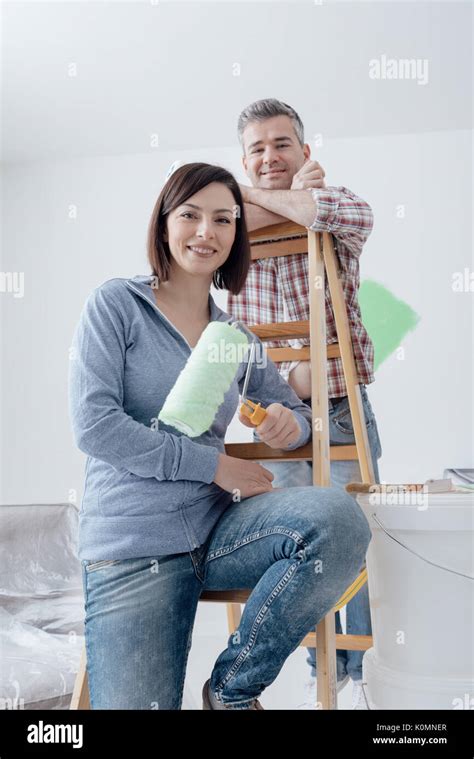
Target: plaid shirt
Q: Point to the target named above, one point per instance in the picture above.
(276, 289)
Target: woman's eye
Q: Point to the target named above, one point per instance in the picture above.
(190, 215)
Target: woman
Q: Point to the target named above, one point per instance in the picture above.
(165, 517)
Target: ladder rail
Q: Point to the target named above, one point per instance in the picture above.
(326, 628)
(348, 361)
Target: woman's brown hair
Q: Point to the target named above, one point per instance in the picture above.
(184, 182)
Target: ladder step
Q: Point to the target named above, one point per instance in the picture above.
(275, 248)
(280, 231)
(289, 331)
(300, 354)
(281, 330)
(261, 451)
(349, 642)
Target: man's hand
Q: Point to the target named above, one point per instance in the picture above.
(295, 205)
(280, 427)
(310, 175)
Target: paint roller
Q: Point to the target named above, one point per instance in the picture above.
(193, 401)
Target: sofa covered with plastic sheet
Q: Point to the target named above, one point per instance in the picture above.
(41, 605)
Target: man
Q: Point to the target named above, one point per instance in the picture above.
(287, 184)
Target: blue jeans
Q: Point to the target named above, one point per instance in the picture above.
(290, 474)
(297, 550)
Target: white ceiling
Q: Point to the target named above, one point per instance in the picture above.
(167, 68)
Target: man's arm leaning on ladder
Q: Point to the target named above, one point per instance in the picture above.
(323, 209)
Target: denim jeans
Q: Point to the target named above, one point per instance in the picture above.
(290, 474)
(297, 550)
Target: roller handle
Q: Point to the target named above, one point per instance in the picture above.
(256, 413)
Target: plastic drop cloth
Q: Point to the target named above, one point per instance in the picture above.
(41, 606)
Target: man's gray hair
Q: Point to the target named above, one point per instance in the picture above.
(262, 110)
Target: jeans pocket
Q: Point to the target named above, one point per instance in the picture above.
(342, 417)
(90, 566)
(198, 558)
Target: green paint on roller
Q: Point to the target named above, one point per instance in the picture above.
(192, 403)
(386, 318)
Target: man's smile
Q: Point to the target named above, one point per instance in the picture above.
(273, 172)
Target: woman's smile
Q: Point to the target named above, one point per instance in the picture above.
(202, 251)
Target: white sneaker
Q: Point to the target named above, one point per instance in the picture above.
(359, 699)
(310, 692)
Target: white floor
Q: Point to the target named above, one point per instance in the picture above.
(209, 639)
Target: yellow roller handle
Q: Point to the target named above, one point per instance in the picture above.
(352, 590)
(255, 413)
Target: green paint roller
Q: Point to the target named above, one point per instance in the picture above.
(193, 401)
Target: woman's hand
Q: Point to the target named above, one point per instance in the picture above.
(280, 427)
(246, 477)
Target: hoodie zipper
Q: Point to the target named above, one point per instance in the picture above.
(229, 320)
(160, 312)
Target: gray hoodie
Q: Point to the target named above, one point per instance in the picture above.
(149, 488)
